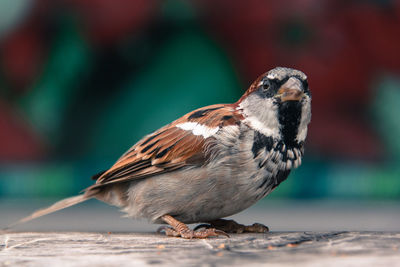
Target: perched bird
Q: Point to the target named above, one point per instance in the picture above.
(211, 163)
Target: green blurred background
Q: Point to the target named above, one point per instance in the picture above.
(82, 81)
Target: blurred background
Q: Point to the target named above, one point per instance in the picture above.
(82, 81)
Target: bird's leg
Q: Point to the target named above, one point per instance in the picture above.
(230, 226)
(182, 230)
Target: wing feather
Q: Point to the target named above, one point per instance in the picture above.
(169, 148)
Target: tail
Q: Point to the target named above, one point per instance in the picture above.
(62, 204)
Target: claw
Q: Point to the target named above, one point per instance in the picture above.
(180, 229)
(168, 231)
(219, 232)
(189, 234)
(204, 233)
(204, 225)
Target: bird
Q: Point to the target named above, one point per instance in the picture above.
(211, 163)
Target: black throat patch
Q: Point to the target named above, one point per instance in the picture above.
(289, 115)
(261, 142)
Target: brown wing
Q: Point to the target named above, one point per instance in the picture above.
(169, 148)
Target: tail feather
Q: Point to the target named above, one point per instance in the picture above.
(62, 204)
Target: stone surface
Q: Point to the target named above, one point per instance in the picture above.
(308, 233)
(141, 249)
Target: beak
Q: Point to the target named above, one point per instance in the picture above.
(291, 90)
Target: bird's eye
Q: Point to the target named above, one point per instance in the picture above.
(266, 85)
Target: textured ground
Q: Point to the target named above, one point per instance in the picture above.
(125, 249)
(306, 233)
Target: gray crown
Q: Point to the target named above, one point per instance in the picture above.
(280, 73)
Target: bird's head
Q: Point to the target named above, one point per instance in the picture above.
(278, 104)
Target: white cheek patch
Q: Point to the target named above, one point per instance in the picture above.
(198, 129)
(261, 115)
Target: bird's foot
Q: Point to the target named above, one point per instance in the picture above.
(190, 234)
(230, 226)
(179, 229)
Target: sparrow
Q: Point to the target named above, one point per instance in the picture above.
(211, 163)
